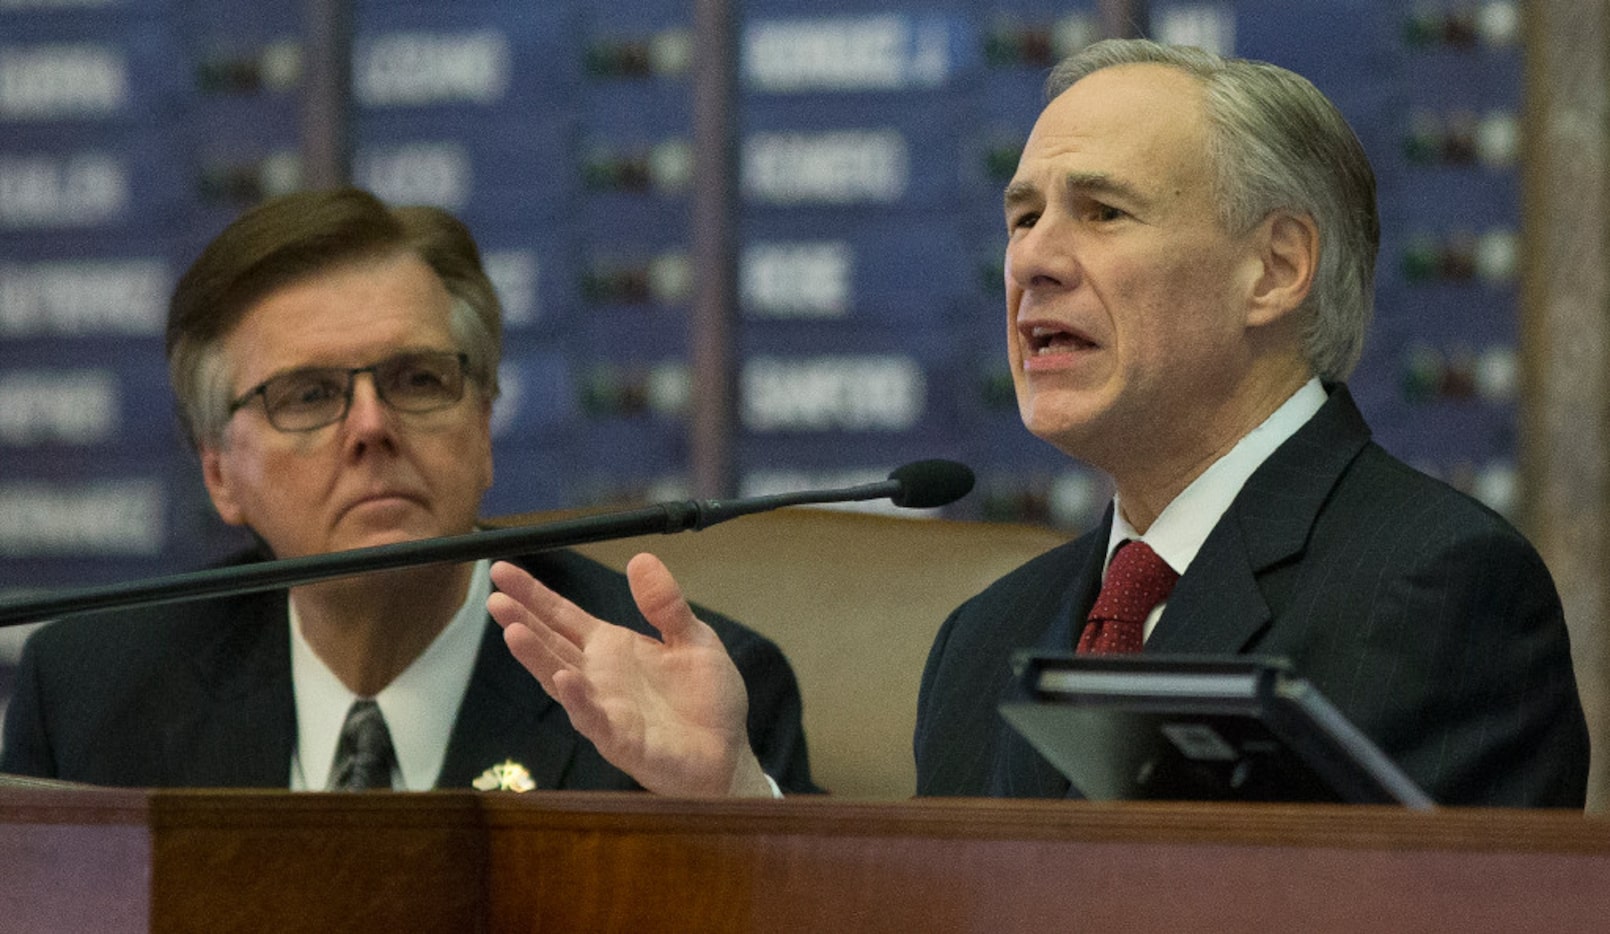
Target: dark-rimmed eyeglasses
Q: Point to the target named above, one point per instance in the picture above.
(312, 397)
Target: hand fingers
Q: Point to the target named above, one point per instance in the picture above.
(512, 615)
(660, 598)
(541, 608)
(538, 641)
(531, 652)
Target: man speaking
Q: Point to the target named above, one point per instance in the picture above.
(1189, 275)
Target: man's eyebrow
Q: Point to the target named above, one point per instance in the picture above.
(1019, 192)
(1100, 183)
(1078, 183)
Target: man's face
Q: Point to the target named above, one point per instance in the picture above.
(376, 476)
(1126, 319)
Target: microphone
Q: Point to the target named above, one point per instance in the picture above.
(918, 485)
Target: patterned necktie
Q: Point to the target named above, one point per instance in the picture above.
(1137, 581)
(364, 756)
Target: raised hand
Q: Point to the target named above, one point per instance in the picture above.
(670, 712)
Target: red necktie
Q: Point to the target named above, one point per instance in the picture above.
(1137, 581)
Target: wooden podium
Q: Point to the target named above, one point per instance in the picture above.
(104, 860)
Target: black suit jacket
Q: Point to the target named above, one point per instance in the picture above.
(1424, 616)
(199, 695)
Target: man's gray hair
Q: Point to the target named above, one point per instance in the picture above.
(1277, 144)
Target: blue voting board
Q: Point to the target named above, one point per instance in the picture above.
(874, 140)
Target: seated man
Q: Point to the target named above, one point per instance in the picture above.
(1189, 271)
(335, 362)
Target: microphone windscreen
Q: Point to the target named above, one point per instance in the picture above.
(930, 483)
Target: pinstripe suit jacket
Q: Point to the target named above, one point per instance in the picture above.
(199, 694)
(1425, 617)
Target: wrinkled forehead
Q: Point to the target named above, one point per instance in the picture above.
(345, 316)
(1144, 123)
(1140, 107)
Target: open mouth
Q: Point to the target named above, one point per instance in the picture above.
(1049, 339)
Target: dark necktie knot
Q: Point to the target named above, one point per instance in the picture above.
(364, 756)
(1137, 581)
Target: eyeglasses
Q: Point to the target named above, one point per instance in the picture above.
(302, 400)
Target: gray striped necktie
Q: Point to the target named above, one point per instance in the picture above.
(364, 757)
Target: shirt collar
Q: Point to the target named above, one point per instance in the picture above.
(420, 705)
(1179, 531)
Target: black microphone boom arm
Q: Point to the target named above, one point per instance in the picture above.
(916, 487)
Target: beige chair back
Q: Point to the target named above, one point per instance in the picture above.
(854, 600)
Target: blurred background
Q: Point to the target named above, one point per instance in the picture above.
(836, 308)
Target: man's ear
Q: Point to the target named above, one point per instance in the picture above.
(215, 473)
(1288, 253)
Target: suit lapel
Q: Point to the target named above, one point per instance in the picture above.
(243, 737)
(1216, 607)
(1020, 771)
(244, 732)
(1230, 591)
(1080, 591)
(506, 715)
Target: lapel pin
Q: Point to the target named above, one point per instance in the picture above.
(507, 775)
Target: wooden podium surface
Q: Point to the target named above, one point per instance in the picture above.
(215, 861)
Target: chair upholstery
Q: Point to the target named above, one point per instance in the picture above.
(854, 600)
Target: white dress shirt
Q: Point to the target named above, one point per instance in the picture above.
(420, 705)
(1179, 531)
